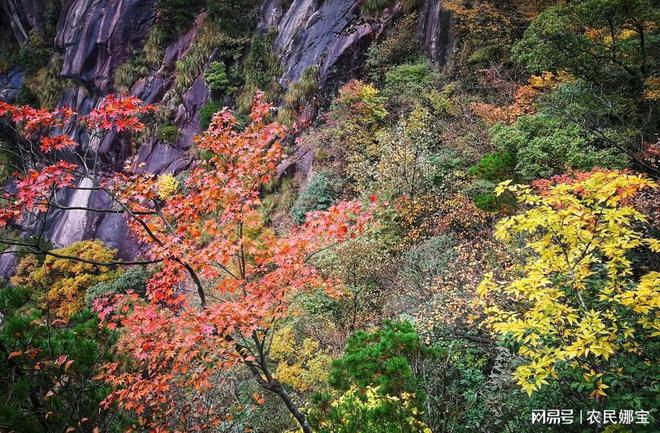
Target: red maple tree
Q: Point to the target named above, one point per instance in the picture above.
(223, 278)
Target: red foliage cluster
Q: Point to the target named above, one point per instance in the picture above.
(210, 239)
(34, 188)
(118, 113)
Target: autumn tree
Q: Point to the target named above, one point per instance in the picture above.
(223, 278)
(606, 46)
(576, 303)
(244, 273)
(64, 282)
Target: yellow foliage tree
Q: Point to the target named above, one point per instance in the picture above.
(65, 281)
(575, 300)
(167, 185)
(302, 365)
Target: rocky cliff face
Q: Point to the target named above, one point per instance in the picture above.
(23, 16)
(95, 36)
(436, 31)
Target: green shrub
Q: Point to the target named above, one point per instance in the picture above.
(168, 133)
(441, 101)
(445, 162)
(404, 84)
(407, 77)
(545, 145)
(135, 278)
(490, 54)
(261, 65)
(154, 46)
(35, 53)
(206, 113)
(46, 83)
(25, 96)
(129, 72)
(260, 71)
(235, 17)
(10, 52)
(399, 46)
(496, 166)
(176, 16)
(319, 194)
(384, 358)
(378, 375)
(47, 395)
(487, 201)
(209, 38)
(297, 94)
(216, 79)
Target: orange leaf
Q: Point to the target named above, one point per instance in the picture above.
(68, 364)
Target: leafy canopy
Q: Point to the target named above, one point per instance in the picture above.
(574, 301)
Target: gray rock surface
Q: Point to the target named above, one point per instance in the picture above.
(10, 82)
(23, 16)
(436, 30)
(96, 36)
(308, 29)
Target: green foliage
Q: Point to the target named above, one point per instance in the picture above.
(487, 201)
(298, 94)
(235, 17)
(604, 46)
(35, 53)
(47, 369)
(206, 113)
(46, 85)
(261, 65)
(374, 7)
(319, 194)
(260, 71)
(9, 53)
(217, 80)
(442, 102)
(544, 146)
(405, 83)
(407, 77)
(168, 133)
(25, 96)
(381, 390)
(495, 167)
(135, 279)
(489, 54)
(399, 46)
(382, 358)
(604, 41)
(154, 46)
(369, 412)
(445, 163)
(192, 64)
(426, 261)
(129, 72)
(175, 16)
